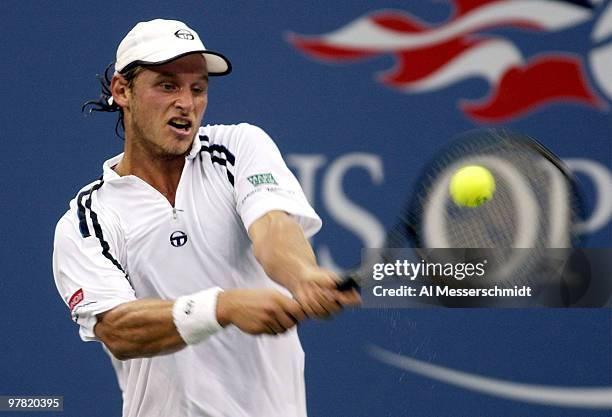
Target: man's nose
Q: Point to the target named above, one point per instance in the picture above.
(185, 99)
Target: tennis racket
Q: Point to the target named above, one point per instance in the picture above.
(536, 204)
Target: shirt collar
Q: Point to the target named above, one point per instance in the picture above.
(107, 168)
(195, 147)
(110, 174)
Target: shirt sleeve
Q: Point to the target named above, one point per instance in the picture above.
(87, 274)
(263, 182)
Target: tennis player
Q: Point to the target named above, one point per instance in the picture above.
(188, 259)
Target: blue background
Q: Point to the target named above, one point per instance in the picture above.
(51, 52)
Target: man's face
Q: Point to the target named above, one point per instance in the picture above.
(165, 106)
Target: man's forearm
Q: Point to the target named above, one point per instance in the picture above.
(287, 257)
(140, 328)
(281, 248)
(149, 327)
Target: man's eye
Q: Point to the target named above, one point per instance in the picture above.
(167, 86)
(198, 90)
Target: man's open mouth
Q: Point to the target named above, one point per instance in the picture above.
(180, 124)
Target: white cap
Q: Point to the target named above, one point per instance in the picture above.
(159, 41)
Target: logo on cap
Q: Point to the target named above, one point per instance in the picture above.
(184, 34)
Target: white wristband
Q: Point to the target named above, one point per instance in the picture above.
(195, 315)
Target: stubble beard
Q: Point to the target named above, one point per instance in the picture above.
(155, 150)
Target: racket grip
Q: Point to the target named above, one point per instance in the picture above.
(349, 282)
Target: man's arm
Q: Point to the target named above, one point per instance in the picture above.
(285, 254)
(140, 328)
(145, 328)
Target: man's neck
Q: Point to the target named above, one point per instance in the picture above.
(162, 173)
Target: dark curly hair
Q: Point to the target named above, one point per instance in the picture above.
(104, 102)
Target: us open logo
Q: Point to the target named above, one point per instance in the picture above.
(184, 34)
(178, 238)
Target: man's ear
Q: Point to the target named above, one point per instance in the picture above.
(120, 90)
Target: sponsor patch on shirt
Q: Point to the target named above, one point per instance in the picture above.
(76, 298)
(259, 179)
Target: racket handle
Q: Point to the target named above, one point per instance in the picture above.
(349, 282)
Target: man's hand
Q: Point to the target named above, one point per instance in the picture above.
(258, 311)
(315, 290)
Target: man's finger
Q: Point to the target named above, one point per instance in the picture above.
(306, 308)
(276, 326)
(295, 311)
(328, 302)
(285, 320)
(348, 298)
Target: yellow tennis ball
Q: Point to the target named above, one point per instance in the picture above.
(471, 186)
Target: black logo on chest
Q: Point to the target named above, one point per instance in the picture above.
(178, 239)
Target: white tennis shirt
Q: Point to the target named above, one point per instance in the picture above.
(121, 240)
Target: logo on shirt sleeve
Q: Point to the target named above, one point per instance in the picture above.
(76, 298)
(259, 179)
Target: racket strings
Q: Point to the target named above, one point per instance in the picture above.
(520, 214)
